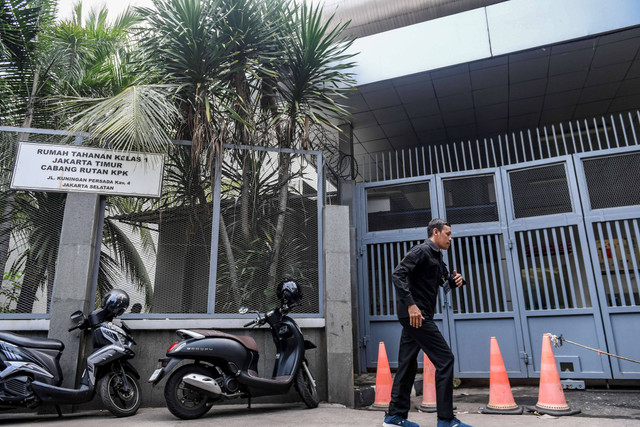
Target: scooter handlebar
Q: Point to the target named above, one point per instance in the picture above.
(253, 322)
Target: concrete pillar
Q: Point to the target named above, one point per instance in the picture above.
(75, 270)
(338, 325)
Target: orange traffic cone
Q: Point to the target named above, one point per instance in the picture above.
(383, 381)
(550, 397)
(428, 387)
(500, 396)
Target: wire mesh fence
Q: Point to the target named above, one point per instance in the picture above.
(30, 225)
(268, 230)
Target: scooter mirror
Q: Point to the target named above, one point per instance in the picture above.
(77, 317)
(243, 310)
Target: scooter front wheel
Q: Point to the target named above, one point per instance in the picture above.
(119, 400)
(306, 386)
(183, 402)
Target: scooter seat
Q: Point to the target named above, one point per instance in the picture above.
(32, 342)
(246, 341)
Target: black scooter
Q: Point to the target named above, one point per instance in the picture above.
(30, 373)
(225, 366)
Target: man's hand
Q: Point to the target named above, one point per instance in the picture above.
(458, 278)
(415, 316)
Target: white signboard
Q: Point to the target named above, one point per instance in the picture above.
(70, 168)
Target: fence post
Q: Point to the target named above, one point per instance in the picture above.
(72, 289)
(338, 326)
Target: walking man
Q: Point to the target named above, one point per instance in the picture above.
(417, 279)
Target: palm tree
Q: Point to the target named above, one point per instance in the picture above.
(236, 71)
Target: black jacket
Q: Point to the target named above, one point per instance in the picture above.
(418, 277)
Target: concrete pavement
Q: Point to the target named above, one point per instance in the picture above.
(600, 408)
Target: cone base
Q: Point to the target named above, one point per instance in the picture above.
(423, 408)
(379, 407)
(515, 411)
(554, 412)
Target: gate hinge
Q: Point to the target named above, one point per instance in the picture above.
(362, 250)
(510, 244)
(364, 341)
(525, 357)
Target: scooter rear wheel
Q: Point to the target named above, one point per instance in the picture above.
(306, 386)
(183, 402)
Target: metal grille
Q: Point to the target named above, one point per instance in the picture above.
(382, 260)
(619, 257)
(552, 269)
(546, 142)
(470, 200)
(158, 250)
(540, 191)
(605, 176)
(30, 225)
(398, 206)
(481, 261)
(268, 229)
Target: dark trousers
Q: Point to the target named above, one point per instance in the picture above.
(430, 340)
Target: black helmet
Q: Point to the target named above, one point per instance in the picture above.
(289, 293)
(115, 302)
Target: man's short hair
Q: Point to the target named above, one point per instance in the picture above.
(436, 223)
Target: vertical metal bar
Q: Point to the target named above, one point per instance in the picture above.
(633, 129)
(493, 151)
(552, 285)
(577, 262)
(624, 132)
(463, 271)
(603, 249)
(215, 235)
(430, 161)
(417, 162)
(486, 285)
(455, 154)
(515, 151)
(595, 126)
(444, 166)
(573, 137)
(616, 267)
(539, 143)
(606, 133)
(479, 154)
(471, 154)
(403, 163)
(377, 168)
(497, 280)
(320, 222)
(523, 252)
(424, 164)
(561, 283)
(370, 175)
(449, 157)
(580, 136)
(542, 271)
(390, 285)
(524, 149)
(588, 132)
(464, 157)
(410, 161)
(546, 138)
(502, 153)
(475, 279)
(372, 284)
(634, 260)
(480, 288)
(623, 259)
(387, 286)
(384, 167)
(533, 157)
(486, 153)
(380, 294)
(564, 141)
(397, 164)
(570, 272)
(535, 270)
